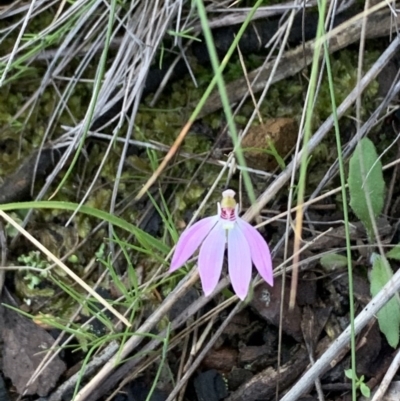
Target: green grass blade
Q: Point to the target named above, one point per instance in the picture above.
(146, 240)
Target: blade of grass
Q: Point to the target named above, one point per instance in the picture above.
(146, 240)
(345, 213)
(165, 342)
(306, 138)
(223, 92)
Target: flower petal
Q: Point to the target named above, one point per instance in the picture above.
(260, 253)
(239, 262)
(190, 240)
(211, 257)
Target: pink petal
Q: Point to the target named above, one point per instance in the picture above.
(259, 250)
(190, 240)
(239, 262)
(211, 257)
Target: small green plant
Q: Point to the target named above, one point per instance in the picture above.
(367, 189)
(34, 259)
(364, 389)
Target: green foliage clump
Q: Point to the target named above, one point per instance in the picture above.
(364, 389)
(366, 186)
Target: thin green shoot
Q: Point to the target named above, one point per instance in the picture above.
(162, 52)
(133, 279)
(153, 159)
(311, 96)
(185, 34)
(106, 261)
(274, 152)
(82, 370)
(159, 256)
(218, 68)
(166, 216)
(124, 336)
(165, 342)
(270, 151)
(342, 175)
(168, 220)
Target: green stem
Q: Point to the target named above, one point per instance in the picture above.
(346, 218)
(218, 79)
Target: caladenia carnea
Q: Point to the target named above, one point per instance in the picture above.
(212, 234)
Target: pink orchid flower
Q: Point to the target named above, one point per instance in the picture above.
(245, 245)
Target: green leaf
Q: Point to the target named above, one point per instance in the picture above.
(389, 315)
(365, 390)
(333, 261)
(349, 373)
(394, 253)
(366, 179)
